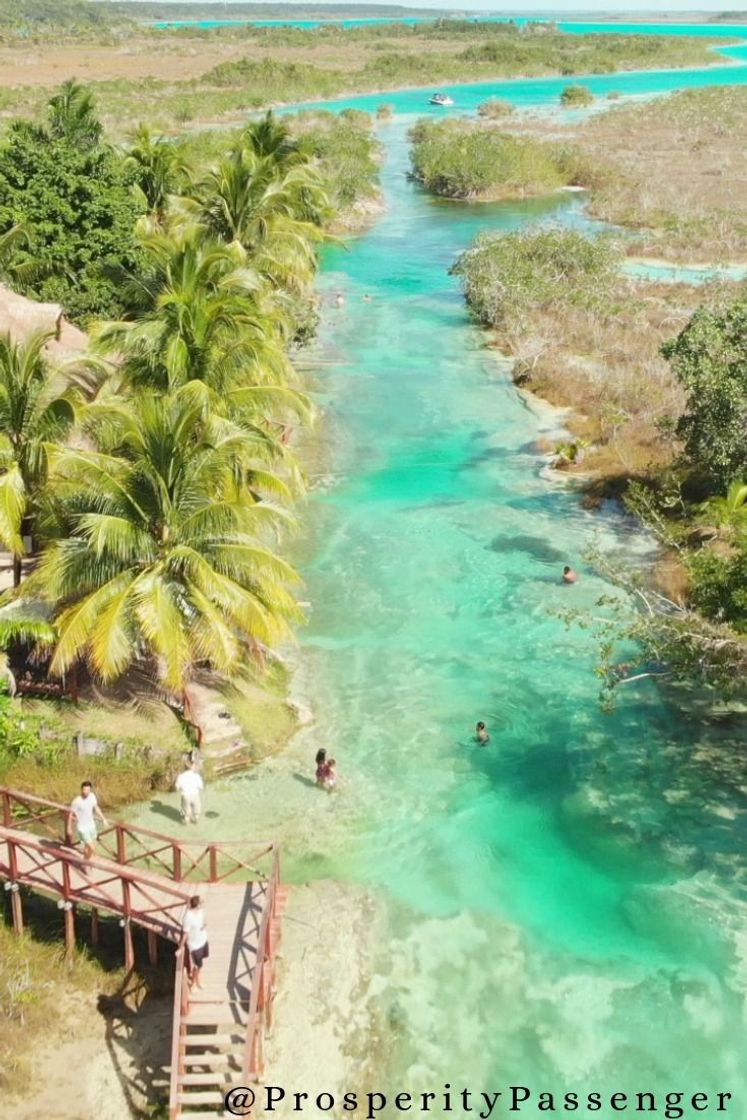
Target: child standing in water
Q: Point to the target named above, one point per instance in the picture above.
(321, 766)
(481, 734)
(330, 778)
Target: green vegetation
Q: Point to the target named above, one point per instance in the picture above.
(709, 358)
(342, 145)
(37, 750)
(659, 395)
(347, 156)
(30, 17)
(508, 277)
(70, 192)
(576, 97)
(461, 159)
(158, 79)
(154, 487)
(554, 52)
(494, 109)
(36, 988)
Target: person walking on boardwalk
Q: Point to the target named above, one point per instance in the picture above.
(85, 808)
(194, 935)
(190, 785)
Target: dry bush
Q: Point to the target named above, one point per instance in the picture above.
(606, 366)
(673, 169)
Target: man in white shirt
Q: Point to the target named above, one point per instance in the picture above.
(84, 808)
(190, 785)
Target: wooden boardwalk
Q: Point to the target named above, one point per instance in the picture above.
(218, 1030)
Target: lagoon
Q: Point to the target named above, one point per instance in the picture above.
(568, 904)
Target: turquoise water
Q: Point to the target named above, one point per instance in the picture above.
(572, 27)
(566, 906)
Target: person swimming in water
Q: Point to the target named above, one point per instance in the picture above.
(340, 299)
(569, 576)
(481, 734)
(321, 766)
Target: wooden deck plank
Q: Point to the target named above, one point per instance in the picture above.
(219, 1016)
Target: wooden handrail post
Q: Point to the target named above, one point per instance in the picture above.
(7, 819)
(129, 948)
(16, 906)
(177, 858)
(213, 849)
(68, 909)
(121, 844)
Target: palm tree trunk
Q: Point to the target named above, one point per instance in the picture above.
(16, 569)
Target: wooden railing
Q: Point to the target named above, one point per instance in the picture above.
(133, 846)
(34, 814)
(263, 981)
(146, 880)
(181, 1007)
(136, 896)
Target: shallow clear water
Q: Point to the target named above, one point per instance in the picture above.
(566, 906)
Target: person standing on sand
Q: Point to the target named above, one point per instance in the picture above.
(194, 936)
(85, 808)
(190, 785)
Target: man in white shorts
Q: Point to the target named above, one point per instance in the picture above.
(84, 808)
(190, 785)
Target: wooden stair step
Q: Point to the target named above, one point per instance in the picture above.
(232, 1039)
(203, 1115)
(217, 1077)
(208, 1096)
(208, 1060)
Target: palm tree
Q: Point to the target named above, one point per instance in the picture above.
(200, 314)
(271, 136)
(730, 510)
(166, 560)
(17, 265)
(37, 411)
(72, 116)
(158, 168)
(274, 210)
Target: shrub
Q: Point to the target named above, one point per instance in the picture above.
(507, 276)
(72, 194)
(459, 159)
(493, 109)
(576, 97)
(709, 358)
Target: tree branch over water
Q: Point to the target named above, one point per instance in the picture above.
(643, 634)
